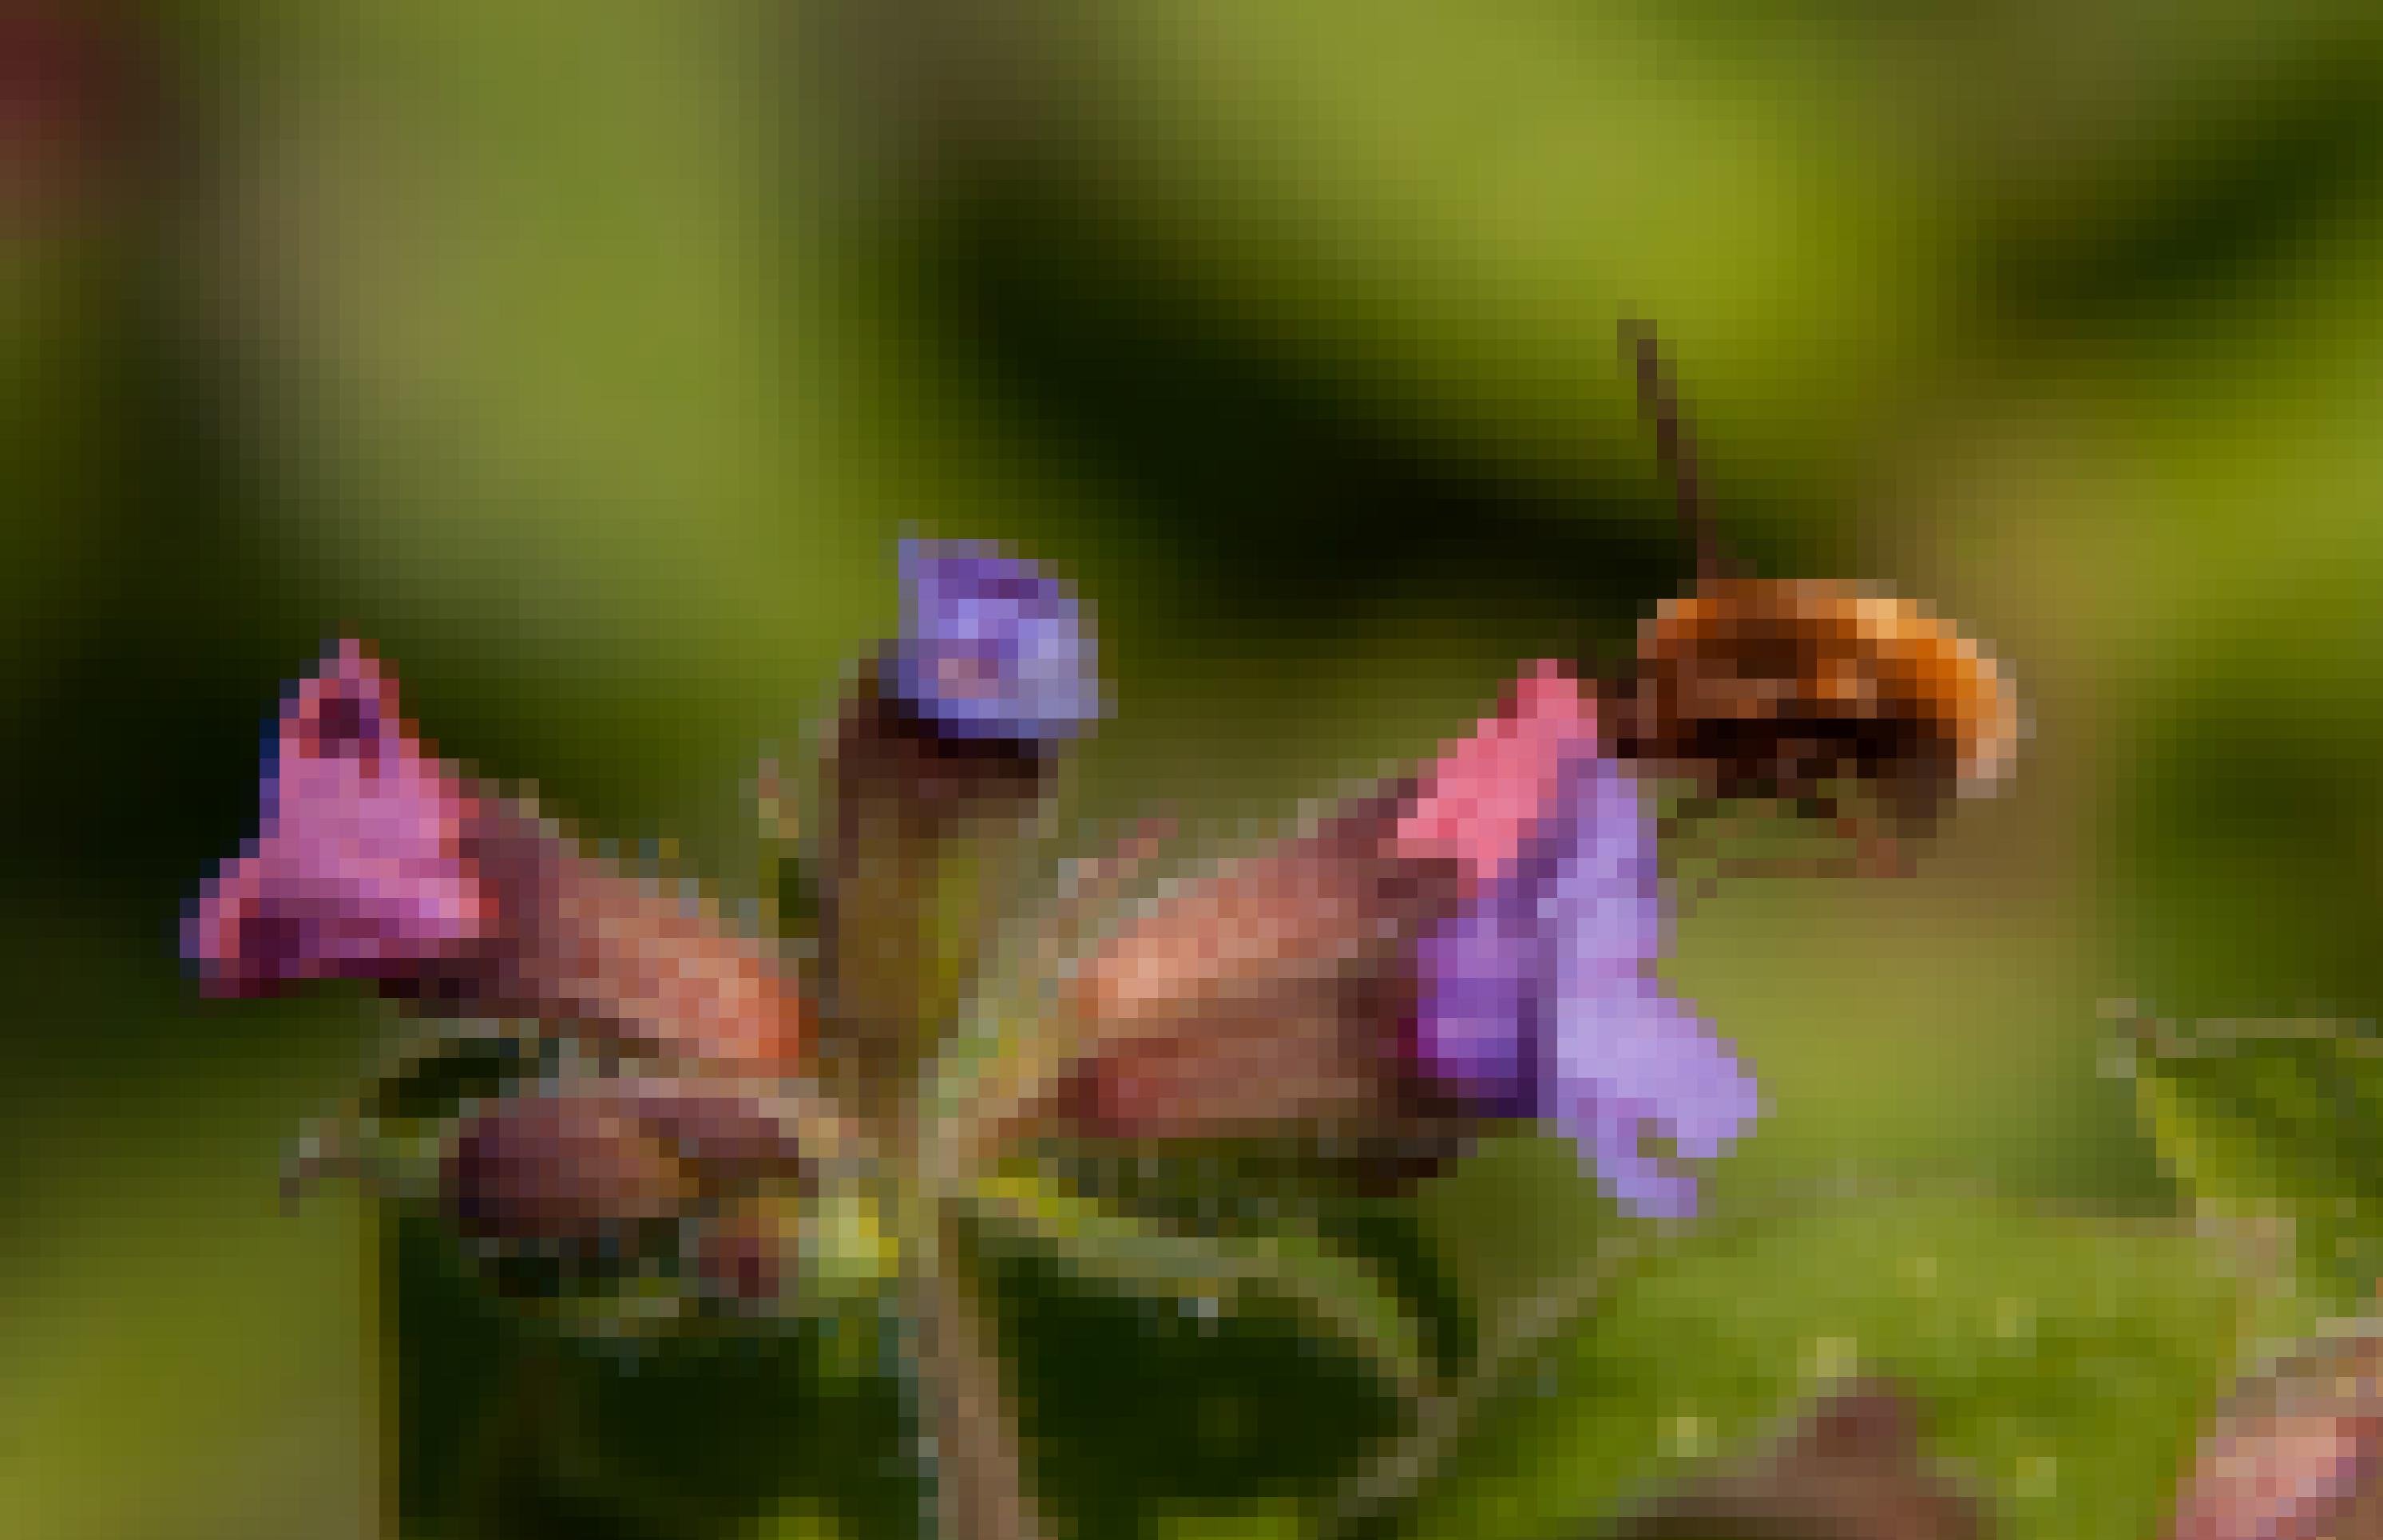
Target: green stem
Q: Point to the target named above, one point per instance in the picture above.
(964, 1402)
(1391, 1483)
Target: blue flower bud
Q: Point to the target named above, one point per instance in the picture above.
(991, 647)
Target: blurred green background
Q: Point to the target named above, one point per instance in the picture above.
(591, 356)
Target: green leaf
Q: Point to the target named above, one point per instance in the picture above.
(2276, 1121)
(2067, 1364)
(508, 1425)
(1333, 1296)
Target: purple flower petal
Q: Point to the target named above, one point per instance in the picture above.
(1477, 976)
(1538, 998)
(1601, 895)
(1625, 1062)
(359, 868)
(991, 645)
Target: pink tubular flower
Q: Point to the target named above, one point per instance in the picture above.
(1479, 944)
(377, 860)
(359, 870)
(1278, 988)
(1536, 996)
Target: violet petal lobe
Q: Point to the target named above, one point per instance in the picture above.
(358, 867)
(991, 645)
(1476, 977)
(1623, 1060)
(1630, 1062)
(1599, 889)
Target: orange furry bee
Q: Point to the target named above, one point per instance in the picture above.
(1781, 687)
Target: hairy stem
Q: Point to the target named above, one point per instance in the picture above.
(964, 1403)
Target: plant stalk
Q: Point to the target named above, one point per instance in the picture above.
(981, 1491)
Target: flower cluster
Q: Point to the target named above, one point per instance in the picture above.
(1473, 943)
(1480, 936)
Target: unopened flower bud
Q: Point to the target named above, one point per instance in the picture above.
(749, 1253)
(573, 1175)
(607, 1171)
(810, 1249)
(993, 649)
(926, 826)
(946, 744)
(2296, 1455)
(1851, 1469)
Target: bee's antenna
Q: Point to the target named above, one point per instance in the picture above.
(1660, 405)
